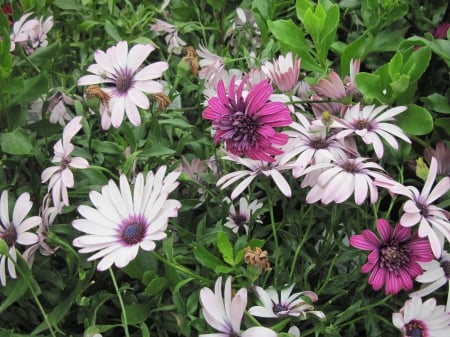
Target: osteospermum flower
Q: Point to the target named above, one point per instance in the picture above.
(247, 125)
(15, 231)
(225, 313)
(284, 71)
(417, 319)
(285, 304)
(128, 83)
(394, 260)
(125, 220)
(238, 219)
(371, 124)
(344, 177)
(436, 274)
(433, 221)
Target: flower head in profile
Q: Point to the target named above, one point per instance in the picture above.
(436, 274)
(15, 231)
(284, 71)
(417, 319)
(225, 313)
(238, 219)
(394, 259)
(419, 209)
(372, 125)
(442, 154)
(343, 177)
(175, 44)
(127, 83)
(246, 125)
(124, 220)
(30, 34)
(285, 304)
(60, 176)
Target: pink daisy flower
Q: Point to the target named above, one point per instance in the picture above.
(371, 124)
(284, 71)
(393, 260)
(247, 125)
(433, 221)
(124, 220)
(15, 231)
(225, 313)
(120, 69)
(343, 177)
(417, 319)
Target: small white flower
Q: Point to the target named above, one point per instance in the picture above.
(241, 218)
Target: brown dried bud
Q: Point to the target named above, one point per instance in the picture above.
(97, 92)
(192, 59)
(257, 257)
(162, 99)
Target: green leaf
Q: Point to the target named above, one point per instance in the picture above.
(106, 147)
(395, 65)
(158, 151)
(416, 120)
(138, 312)
(17, 142)
(437, 103)
(68, 4)
(301, 6)
(370, 86)
(225, 247)
(4, 249)
(207, 259)
(112, 31)
(443, 123)
(33, 88)
(417, 62)
(5, 56)
(12, 293)
(358, 49)
(155, 286)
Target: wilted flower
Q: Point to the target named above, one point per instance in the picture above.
(371, 124)
(210, 65)
(285, 304)
(238, 219)
(433, 221)
(30, 34)
(225, 313)
(175, 44)
(417, 319)
(247, 125)
(394, 260)
(284, 71)
(15, 231)
(128, 83)
(257, 257)
(60, 177)
(125, 220)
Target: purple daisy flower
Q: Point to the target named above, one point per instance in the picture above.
(246, 125)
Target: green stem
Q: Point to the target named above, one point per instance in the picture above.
(122, 306)
(180, 268)
(299, 248)
(275, 237)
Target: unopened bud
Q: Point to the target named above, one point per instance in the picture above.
(421, 169)
(327, 119)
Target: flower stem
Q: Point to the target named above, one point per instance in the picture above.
(275, 237)
(299, 247)
(122, 306)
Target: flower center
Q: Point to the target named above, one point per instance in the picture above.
(134, 231)
(279, 308)
(393, 256)
(241, 129)
(350, 166)
(239, 219)
(318, 143)
(362, 124)
(423, 209)
(414, 329)
(9, 235)
(124, 81)
(445, 265)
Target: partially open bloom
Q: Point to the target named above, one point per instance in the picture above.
(15, 231)
(344, 177)
(210, 65)
(30, 34)
(285, 304)
(238, 219)
(433, 221)
(120, 69)
(371, 124)
(284, 71)
(394, 260)
(124, 220)
(417, 319)
(60, 177)
(436, 274)
(225, 313)
(247, 125)
(442, 154)
(175, 44)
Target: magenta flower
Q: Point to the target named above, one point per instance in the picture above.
(127, 82)
(284, 71)
(371, 124)
(393, 260)
(247, 125)
(433, 221)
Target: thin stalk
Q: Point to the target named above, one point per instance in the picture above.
(122, 306)
(275, 237)
(299, 248)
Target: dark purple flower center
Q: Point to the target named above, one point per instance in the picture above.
(350, 166)
(362, 124)
(242, 131)
(394, 256)
(124, 81)
(234, 334)
(9, 235)
(423, 209)
(277, 308)
(414, 329)
(239, 219)
(134, 231)
(318, 143)
(445, 265)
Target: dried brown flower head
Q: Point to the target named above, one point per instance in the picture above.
(95, 91)
(162, 99)
(192, 59)
(257, 257)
